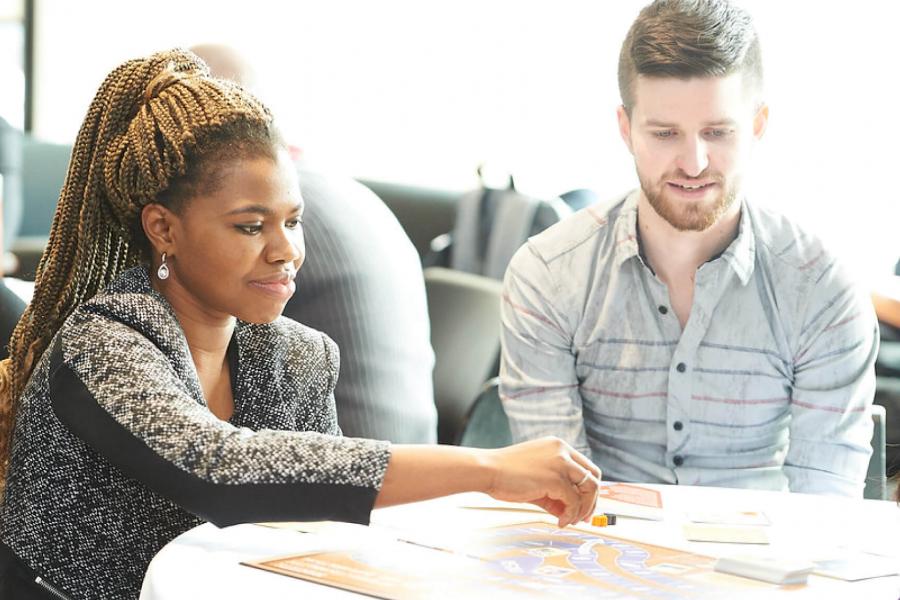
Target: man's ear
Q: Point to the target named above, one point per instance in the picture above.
(761, 121)
(624, 126)
(159, 227)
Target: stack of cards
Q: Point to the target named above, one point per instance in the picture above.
(739, 527)
(774, 570)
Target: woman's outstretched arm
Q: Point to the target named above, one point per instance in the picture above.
(546, 472)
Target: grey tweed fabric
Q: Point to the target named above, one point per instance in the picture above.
(88, 516)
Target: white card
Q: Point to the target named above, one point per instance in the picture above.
(857, 566)
(727, 534)
(742, 517)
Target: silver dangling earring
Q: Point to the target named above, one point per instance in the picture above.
(163, 271)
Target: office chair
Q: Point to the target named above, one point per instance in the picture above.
(464, 311)
(486, 425)
(876, 477)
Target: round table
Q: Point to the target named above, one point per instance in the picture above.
(205, 561)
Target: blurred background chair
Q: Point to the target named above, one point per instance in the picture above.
(486, 424)
(490, 224)
(580, 198)
(44, 167)
(424, 212)
(464, 312)
(876, 477)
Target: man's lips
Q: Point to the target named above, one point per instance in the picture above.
(691, 185)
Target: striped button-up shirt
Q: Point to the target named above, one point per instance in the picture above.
(768, 385)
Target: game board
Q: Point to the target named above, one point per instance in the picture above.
(530, 560)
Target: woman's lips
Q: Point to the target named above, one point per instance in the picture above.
(280, 288)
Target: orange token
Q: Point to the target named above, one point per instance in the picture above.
(600, 521)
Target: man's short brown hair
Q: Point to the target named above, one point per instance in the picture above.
(690, 38)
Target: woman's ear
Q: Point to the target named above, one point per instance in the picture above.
(159, 227)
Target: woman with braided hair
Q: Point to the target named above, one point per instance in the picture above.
(152, 384)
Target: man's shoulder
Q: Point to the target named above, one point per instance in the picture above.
(352, 237)
(342, 205)
(789, 247)
(581, 232)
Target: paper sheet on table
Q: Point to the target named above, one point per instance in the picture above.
(622, 499)
(334, 535)
(733, 517)
(856, 566)
(726, 534)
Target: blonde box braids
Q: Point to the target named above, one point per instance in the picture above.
(140, 133)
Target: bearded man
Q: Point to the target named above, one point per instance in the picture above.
(682, 334)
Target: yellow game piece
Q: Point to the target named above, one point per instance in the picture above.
(600, 521)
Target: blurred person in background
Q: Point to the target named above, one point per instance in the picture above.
(363, 286)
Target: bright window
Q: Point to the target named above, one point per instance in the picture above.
(421, 92)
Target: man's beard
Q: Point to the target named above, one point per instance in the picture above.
(685, 215)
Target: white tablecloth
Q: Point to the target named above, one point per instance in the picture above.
(204, 562)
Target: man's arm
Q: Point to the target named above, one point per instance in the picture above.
(834, 383)
(538, 384)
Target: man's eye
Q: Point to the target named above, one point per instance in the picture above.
(663, 134)
(250, 229)
(718, 133)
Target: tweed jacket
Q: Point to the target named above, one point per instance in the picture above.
(115, 452)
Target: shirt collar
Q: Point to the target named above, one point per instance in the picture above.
(625, 229)
(740, 254)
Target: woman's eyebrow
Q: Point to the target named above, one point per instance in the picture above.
(260, 209)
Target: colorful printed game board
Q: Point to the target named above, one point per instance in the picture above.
(530, 560)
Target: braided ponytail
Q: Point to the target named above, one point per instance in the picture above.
(152, 134)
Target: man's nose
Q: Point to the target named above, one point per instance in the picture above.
(694, 157)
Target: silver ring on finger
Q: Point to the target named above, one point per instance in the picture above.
(583, 480)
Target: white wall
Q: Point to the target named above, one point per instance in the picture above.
(421, 92)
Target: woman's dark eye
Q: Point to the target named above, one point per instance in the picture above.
(294, 223)
(250, 229)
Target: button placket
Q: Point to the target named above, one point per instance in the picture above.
(707, 292)
(681, 381)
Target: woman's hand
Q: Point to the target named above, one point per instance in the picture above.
(546, 472)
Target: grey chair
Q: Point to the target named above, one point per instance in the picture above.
(489, 227)
(876, 477)
(486, 425)
(423, 212)
(464, 311)
(44, 167)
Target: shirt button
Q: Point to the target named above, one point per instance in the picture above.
(678, 460)
(678, 425)
(681, 367)
(663, 310)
